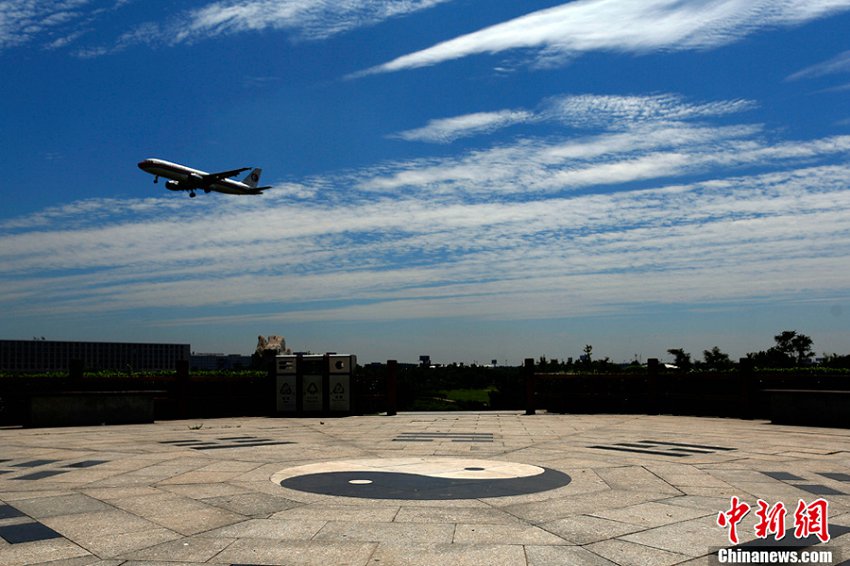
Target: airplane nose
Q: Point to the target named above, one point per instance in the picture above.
(143, 164)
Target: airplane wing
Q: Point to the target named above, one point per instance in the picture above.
(211, 177)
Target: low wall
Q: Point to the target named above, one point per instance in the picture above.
(830, 408)
(74, 408)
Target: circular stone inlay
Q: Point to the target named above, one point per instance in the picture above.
(426, 478)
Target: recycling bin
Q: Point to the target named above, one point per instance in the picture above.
(286, 385)
(340, 378)
(313, 385)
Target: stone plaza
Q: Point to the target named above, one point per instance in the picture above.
(486, 488)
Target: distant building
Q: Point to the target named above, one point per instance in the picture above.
(217, 362)
(49, 355)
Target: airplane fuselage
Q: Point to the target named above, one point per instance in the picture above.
(182, 178)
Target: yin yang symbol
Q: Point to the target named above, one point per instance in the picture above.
(427, 478)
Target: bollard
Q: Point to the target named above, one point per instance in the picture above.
(653, 404)
(299, 385)
(392, 387)
(529, 386)
(75, 369)
(747, 388)
(182, 388)
(326, 384)
(271, 380)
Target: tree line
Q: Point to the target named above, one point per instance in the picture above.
(792, 349)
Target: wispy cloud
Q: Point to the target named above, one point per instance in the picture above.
(557, 34)
(838, 64)
(21, 20)
(52, 23)
(586, 111)
(308, 19)
(702, 214)
(303, 20)
(623, 112)
(446, 130)
(738, 239)
(61, 23)
(634, 139)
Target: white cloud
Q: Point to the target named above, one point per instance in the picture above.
(306, 20)
(646, 152)
(584, 111)
(447, 130)
(838, 64)
(634, 26)
(495, 233)
(619, 112)
(60, 23)
(53, 23)
(738, 239)
(310, 19)
(22, 20)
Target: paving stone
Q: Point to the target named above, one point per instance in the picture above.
(435, 514)
(61, 505)
(252, 504)
(585, 529)
(40, 552)
(117, 544)
(693, 538)
(635, 478)
(188, 549)
(83, 561)
(543, 511)
(396, 533)
(97, 524)
(651, 514)
(203, 491)
(353, 513)
(108, 493)
(178, 513)
(505, 534)
(296, 553)
(448, 555)
(624, 553)
(572, 555)
(278, 529)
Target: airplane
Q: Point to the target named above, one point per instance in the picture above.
(187, 179)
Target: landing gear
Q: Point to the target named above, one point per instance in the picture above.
(192, 194)
(156, 179)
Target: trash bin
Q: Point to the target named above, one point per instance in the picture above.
(313, 385)
(286, 385)
(340, 374)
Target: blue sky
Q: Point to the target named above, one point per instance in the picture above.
(467, 179)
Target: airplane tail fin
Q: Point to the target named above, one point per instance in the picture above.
(253, 178)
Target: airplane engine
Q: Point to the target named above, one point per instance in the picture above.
(172, 186)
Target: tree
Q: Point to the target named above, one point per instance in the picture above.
(716, 360)
(802, 348)
(588, 352)
(682, 359)
(792, 349)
